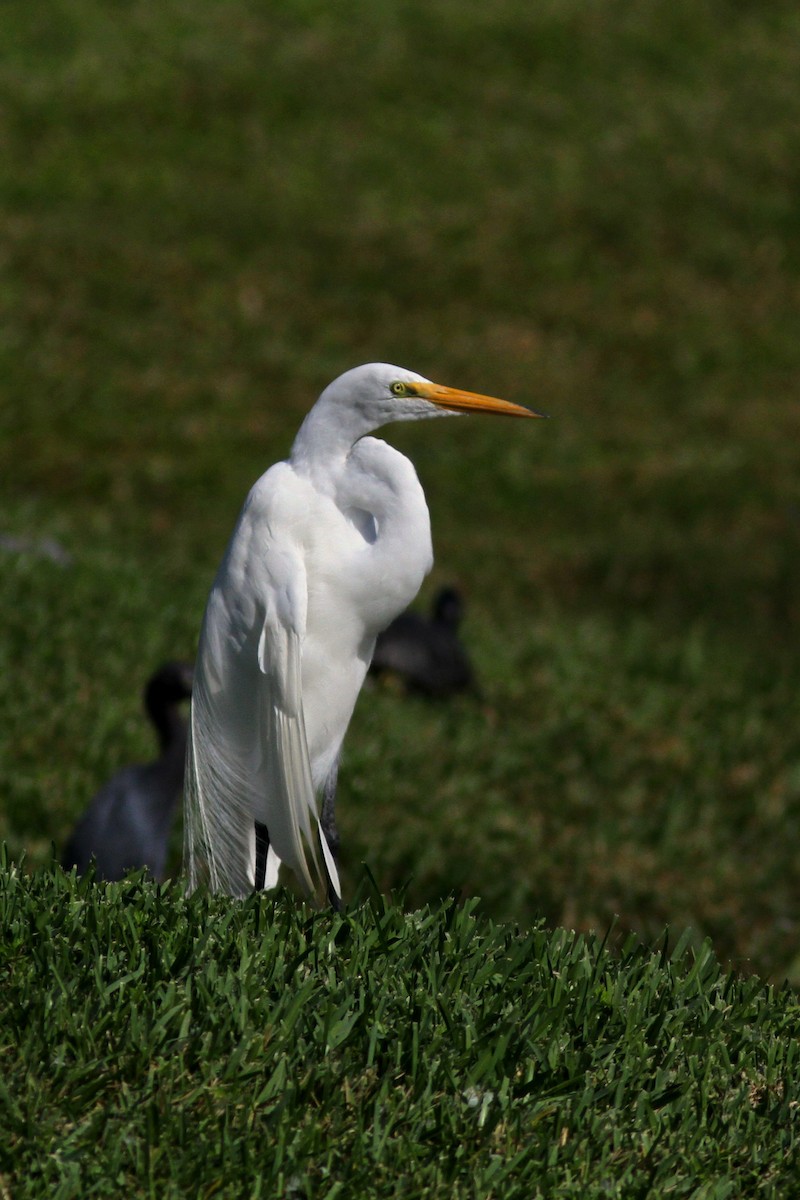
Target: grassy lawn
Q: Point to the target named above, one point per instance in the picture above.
(188, 1048)
(208, 212)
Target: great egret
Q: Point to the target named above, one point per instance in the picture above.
(427, 652)
(330, 546)
(127, 824)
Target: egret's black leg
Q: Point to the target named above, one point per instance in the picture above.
(328, 828)
(262, 846)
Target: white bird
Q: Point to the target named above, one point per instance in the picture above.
(329, 548)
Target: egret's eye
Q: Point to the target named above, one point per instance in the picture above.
(400, 389)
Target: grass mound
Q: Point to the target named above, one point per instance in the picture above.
(172, 1046)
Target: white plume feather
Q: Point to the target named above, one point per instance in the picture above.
(247, 757)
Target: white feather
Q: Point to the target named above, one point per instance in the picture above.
(273, 867)
(248, 756)
(330, 863)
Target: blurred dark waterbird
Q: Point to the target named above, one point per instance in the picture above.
(128, 823)
(426, 652)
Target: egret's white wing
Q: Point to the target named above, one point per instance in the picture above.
(247, 758)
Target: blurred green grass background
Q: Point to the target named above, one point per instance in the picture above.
(209, 211)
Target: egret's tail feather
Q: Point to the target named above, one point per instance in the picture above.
(247, 763)
(273, 867)
(267, 863)
(330, 864)
(219, 846)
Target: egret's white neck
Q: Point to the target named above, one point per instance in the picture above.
(328, 434)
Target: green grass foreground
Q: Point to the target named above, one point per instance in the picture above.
(170, 1047)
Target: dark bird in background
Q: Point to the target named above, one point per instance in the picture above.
(128, 823)
(426, 652)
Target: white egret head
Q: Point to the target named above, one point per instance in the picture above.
(368, 397)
